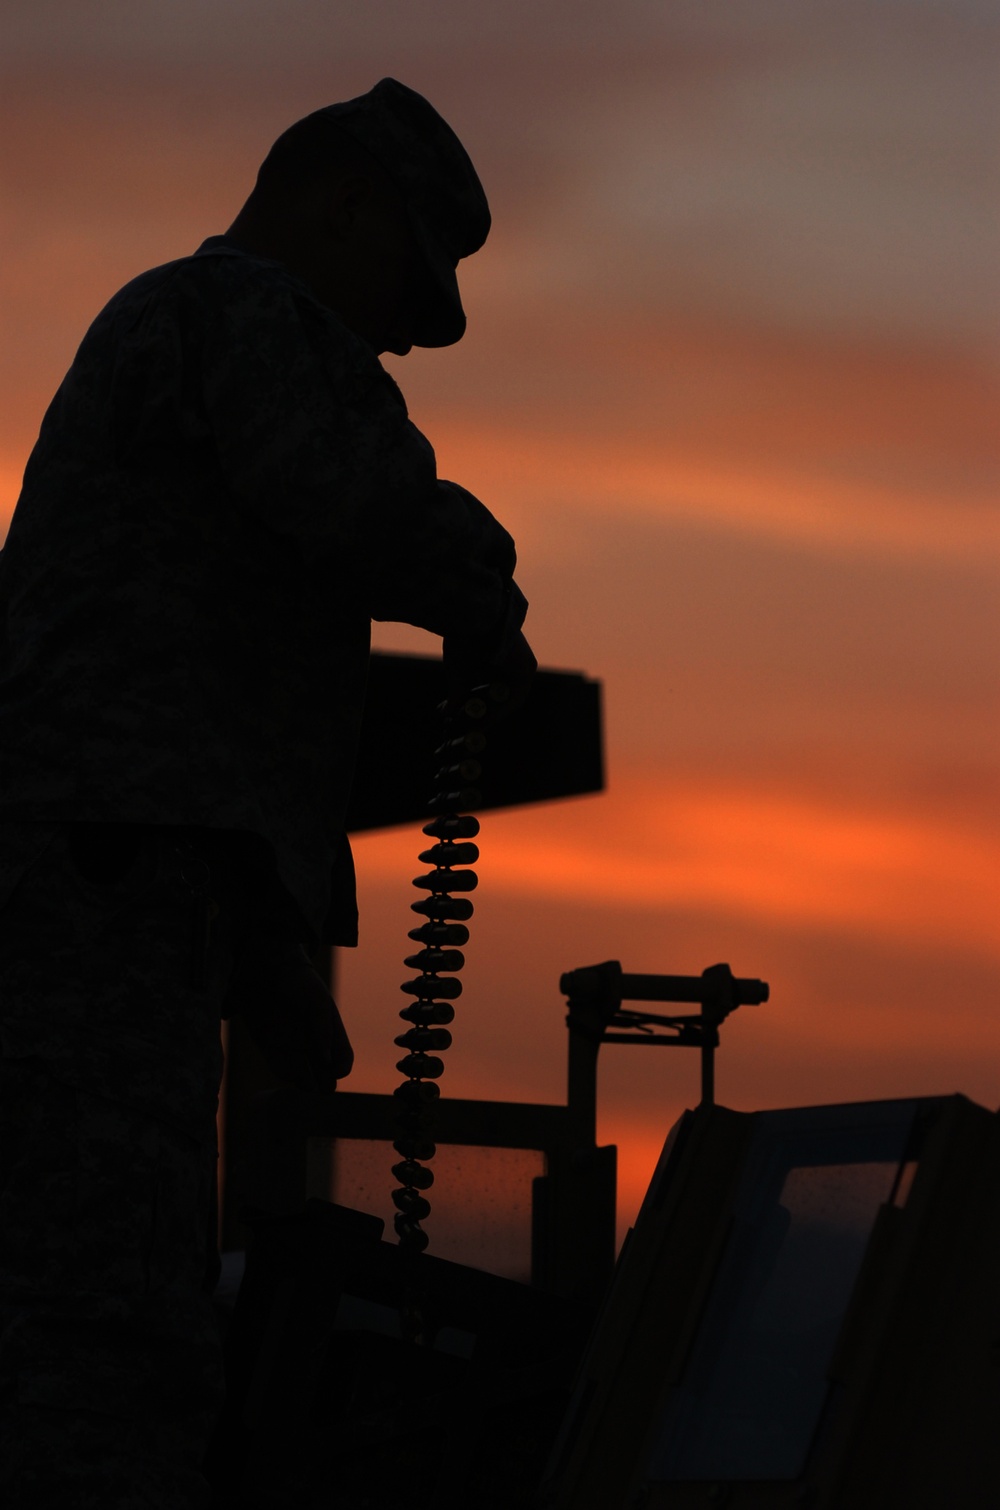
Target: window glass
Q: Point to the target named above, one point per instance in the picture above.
(480, 1199)
(753, 1390)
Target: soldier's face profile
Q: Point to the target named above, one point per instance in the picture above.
(376, 270)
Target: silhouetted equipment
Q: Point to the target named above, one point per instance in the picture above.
(321, 1350)
(572, 1204)
(595, 1001)
(805, 1314)
(329, 1404)
(551, 747)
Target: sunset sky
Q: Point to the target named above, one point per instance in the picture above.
(731, 381)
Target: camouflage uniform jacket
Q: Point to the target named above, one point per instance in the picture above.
(226, 489)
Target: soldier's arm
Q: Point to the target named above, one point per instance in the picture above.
(314, 438)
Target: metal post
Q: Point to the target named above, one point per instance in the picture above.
(708, 1040)
(582, 1077)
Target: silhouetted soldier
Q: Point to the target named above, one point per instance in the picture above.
(225, 491)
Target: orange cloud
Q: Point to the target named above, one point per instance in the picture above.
(10, 486)
(544, 477)
(780, 859)
(567, 472)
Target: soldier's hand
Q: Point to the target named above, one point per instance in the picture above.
(508, 676)
(290, 1015)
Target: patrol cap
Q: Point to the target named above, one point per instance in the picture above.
(434, 173)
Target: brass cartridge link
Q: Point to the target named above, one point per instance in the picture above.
(413, 1147)
(426, 1012)
(413, 1174)
(417, 1093)
(411, 1204)
(452, 826)
(449, 853)
(469, 796)
(442, 906)
(429, 986)
(463, 770)
(424, 1038)
(472, 743)
(443, 881)
(424, 1066)
(434, 934)
(431, 960)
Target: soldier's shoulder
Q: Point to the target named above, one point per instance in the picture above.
(251, 303)
(270, 308)
(142, 304)
(215, 272)
(146, 285)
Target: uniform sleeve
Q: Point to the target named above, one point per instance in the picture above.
(313, 437)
